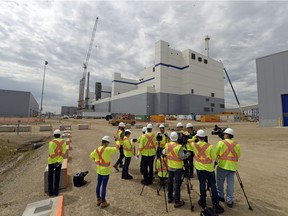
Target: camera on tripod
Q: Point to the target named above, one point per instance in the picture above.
(159, 137)
(218, 131)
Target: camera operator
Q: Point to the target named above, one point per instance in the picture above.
(144, 129)
(119, 139)
(175, 157)
(162, 139)
(190, 132)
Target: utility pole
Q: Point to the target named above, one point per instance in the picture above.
(41, 108)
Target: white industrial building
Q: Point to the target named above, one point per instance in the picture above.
(272, 85)
(180, 82)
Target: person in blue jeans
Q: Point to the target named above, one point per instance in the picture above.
(175, 157)
(102, 156)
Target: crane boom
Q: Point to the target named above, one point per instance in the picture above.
(85, 66)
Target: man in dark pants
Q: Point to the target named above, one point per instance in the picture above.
(120, 136)
(204, 155)
(147, 149)
(175, 157)
(57, 148)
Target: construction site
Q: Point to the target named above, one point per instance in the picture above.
(180, 86)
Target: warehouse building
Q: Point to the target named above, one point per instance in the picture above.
(180, 82)
(17, 104)
(272, 79)
(68, 110)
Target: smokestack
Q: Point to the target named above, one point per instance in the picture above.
(207, 44)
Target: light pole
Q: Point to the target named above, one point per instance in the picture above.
(46, 63)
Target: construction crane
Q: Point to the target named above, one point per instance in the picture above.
(85, 66)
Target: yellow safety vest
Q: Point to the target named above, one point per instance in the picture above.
(162, 168)
(127, 147)
(147, 146)
(204, 155)
(163, 141)
(102, 157)
(57, 148)
(119, 138)
(172, 150)
(228, 152)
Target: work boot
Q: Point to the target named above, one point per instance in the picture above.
(202, 204)
(230, 205)
(120, 165)
(99, 201)
(179, 204)
(104, 204)
(170, 200)
(219, 209)
(221, 199)
(116, 167)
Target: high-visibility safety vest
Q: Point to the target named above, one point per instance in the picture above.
(162, 167)
(102, 157)
(228, 152)
(57, 148)
(172, 150)
(147, 145)
(204, 155)
(119, 138)
(127, 147)
(163, 141)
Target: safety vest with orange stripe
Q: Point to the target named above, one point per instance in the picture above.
(57, 148)
(127, 147)
(147, 145)
(161, 167)
(119, 138)
(102, 156)
(172, 150)
(204, 155)
(228, 152)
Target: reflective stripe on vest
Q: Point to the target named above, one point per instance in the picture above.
(163, 167)
(58, 149)
(101, 161)
(125, 148)
(171, 155)
(201, 156)
(149, 144)
(230, 149)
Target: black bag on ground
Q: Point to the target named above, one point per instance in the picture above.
(208, 212)
(78, 179)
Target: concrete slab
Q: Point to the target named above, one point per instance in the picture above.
(63, 176)
(7, 128)
(24, 128)
(46, 128)
(48, 207)
(64, 127)
(83, 127)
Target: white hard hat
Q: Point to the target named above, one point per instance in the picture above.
(179, 124)
(144, 129)
(121, 124)
(200, 133)
(161, 126)
(174, 136)
(57, 131)
(127, 131)
(106, 138)
(164, 152)
(189, 125)
(229, 131)
(149, 126)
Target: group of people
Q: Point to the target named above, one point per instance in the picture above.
(176, 154)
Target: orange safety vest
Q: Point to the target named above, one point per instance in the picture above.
(230, 149)
(201, 157)
(101, 161)
(163, 167)
(149, 144)
(125, 148)
(58, 149)
(171, 155)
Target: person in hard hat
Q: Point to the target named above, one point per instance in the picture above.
(147, 150)
(57, 148)
(228, 153)
(191, 133)
(204, 154)
(128, 152)
(102, 157)
(144, 129)
(162, 139)
(119, 140)
(175, 157)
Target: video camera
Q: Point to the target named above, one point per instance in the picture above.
(183, 138)
(218, 131)
(159, 137)
(134, 140)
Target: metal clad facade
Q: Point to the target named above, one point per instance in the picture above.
(272, 79)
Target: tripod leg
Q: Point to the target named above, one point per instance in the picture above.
(242, 186)
(142, 190)
(165, 196)
(189, 192)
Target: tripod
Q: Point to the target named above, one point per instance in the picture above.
(189, 185)
(162, 180)
(242, 186)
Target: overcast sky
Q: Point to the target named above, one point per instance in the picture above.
(59, 32)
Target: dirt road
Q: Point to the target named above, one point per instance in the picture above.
(263, 169)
